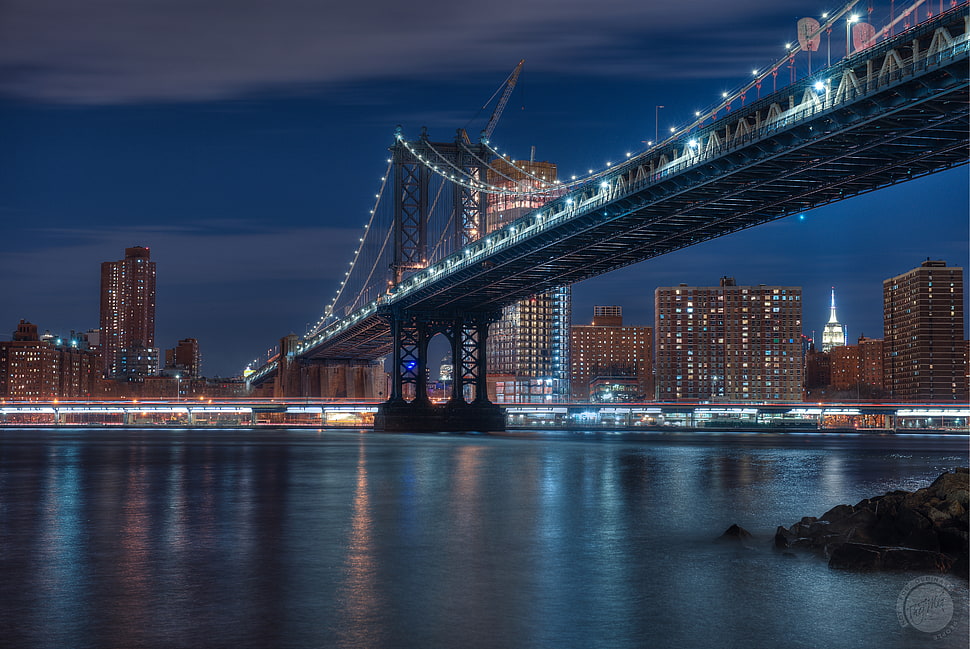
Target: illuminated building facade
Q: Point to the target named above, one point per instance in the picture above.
(736, 343)
(858, 367)
(528, 349)
(128, 315)
(32, 369)
(606, 353)
(833, 333)
(923, 334)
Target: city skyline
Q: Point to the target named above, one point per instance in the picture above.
(250, 185)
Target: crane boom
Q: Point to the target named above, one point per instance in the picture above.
(509, 86)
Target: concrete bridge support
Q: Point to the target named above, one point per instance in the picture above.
(324, 378)
(343, 379)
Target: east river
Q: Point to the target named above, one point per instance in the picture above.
(296, 538)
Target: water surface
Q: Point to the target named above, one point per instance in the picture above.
(296, 538)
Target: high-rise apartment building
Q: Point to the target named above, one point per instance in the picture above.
(606, 349)
(128, 314)
(736, 343)
(528, 350)
(923, 334)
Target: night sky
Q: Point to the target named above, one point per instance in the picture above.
(243, 143)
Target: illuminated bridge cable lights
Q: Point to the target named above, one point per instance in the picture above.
(448, 171)
(329, 311)
(791, 49)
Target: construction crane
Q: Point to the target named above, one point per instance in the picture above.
(509, 85)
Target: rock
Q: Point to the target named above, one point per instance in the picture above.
(956, 484)
(922, 539)
(783, 538)
(922, 530)
(837, 513)
(863, 557)
(735, 534)
(855, 556)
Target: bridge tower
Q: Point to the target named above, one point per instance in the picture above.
(413, 204)
(409, 408)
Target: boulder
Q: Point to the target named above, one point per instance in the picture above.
(784, 538)
(922, 530)
(864, 557)
(735, 534)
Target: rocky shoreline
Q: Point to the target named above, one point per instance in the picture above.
(925, 529)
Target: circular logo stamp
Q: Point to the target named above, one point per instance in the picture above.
(926, 605)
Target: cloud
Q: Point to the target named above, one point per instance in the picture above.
(119, 51)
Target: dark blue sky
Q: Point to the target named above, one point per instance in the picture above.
(243, 142)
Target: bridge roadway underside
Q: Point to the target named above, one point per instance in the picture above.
(910, 129)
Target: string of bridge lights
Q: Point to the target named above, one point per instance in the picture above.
(465, 179)
(760, 75)
(726, 99)
(449, 171)
(544, 187)
(463, 174)
(328, 311)
(540, 186)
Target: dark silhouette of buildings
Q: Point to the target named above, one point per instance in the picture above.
(184, 359)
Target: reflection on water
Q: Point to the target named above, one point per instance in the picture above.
(359, 600)
(339, 539)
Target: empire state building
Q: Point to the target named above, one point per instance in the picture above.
(833, 334)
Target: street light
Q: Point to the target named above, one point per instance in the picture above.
(848, 27)
(656, 123)
(178, 387)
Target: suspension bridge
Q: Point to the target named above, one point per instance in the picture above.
(459, 230)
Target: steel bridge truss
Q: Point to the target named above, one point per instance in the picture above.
(411, 331)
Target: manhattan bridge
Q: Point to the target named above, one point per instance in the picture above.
(433, 260)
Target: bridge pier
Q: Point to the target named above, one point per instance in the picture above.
(323, 378)
(409, 409)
